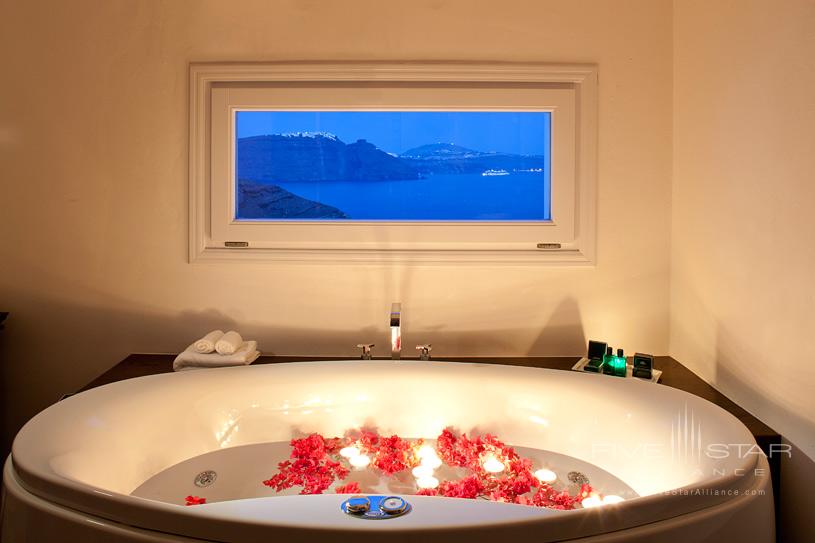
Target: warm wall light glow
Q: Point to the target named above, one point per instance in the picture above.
(349, 452)
(538, 420)
(427, 482)
(546, 475)
(492, 465)
(360, 461)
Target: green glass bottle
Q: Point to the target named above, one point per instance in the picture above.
(619, 363)
(608, 361)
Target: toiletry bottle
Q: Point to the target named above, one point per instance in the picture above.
(643, 365)
(608, 361)
(619, 363)
(595, 356)
(594, 365)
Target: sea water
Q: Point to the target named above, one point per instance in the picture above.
(518, 196)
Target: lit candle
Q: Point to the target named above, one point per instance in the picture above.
(426, 451)
(428, 457)
(422, 471)
(349, 452)
(427, 482)
(611, 498)
(432, 462)
(546, 475)
(591, 501)
(493, 465)
(360, 461)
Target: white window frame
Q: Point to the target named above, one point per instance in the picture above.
(569, 92)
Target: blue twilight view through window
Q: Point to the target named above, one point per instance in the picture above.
(393, 165)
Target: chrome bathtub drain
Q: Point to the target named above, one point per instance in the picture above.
(578, 478)
(375, 507)
(205, 478)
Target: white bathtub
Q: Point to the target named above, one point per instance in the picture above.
(74, 465)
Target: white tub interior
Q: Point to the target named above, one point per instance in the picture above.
(114, 438)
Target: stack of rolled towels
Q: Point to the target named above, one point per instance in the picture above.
(216, 350)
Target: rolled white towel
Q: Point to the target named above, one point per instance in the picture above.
(189, 359)
(207, 343)
(229, 343)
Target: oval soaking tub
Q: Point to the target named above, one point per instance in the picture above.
(116, 463)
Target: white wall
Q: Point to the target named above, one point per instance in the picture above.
(743, 253)
(93, 154)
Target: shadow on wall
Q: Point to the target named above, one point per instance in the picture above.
(54, 348)
(797, 471)
(563, 334)
(764, 401)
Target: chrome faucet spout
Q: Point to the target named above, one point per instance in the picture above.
(396, 330)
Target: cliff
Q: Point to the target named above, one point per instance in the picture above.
(306, 156)
(263, 201)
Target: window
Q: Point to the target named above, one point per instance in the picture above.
(407, 162)
(392, 165)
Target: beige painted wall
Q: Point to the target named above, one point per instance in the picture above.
(93, 214)
(743, 254)
(93, 150)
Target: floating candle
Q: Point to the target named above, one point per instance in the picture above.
(611, 498)
(349, 452)
(428, 457)
(359, 461)
(492, 465)
(426, 451)
(422, 471)
(427, 482)
(432, 462)
(546, 475)
(591, 501)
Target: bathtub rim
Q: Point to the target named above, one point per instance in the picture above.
(188, 524)
(16, 492)
(180, 520)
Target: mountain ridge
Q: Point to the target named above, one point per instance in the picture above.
(322, 156)
(316, 157)
(441, 150)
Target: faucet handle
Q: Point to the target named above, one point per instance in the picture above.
(366, 350)
(424, 351)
